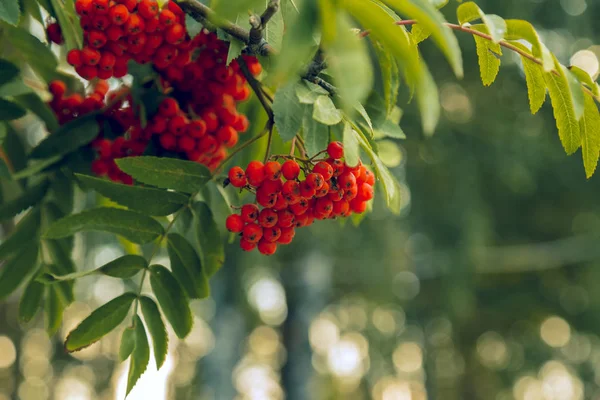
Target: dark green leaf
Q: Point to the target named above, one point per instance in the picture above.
(166, 173)
(54, 308)
(14, 88)
(8, 71)
(16, 270)
(10, 111)
(274, 30)
(157, 329)
(99, 323)
(26, 230)
(68, 138)
(33, 103)
(288, 111)
(212, 251)
(325, 112)
(31, 300)
(62, 265)
(316, 135)
(186, 266)
(30, 197)
(140, 355)
(147, 200)
(39, 56)
(13, 147)
(10, 12)
(172, 299)
(134, 226)
(36, 168)
(127, 343)
(124, 267)
(62, 190)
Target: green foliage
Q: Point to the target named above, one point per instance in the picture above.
(172, 300)
(68, 138)
(495, 25)
(30, 300)
(27, 229)
(166, 173)
(8, 71)
(157, 329)
(288, 111)
(132, 225)
(589, 127)
(28, 198)
(124, 267)
(186, 266)
(54, 308)
(212, 251)
(99, 323)
(147, 200)
(127, 343)
(488, 54)
(139, 356)
(16, 270)
(10, 111)
(10, 12)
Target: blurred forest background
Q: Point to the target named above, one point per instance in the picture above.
(485, 287)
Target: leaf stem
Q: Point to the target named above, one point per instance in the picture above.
(269, 140)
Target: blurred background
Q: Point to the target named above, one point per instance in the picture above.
(485, 287)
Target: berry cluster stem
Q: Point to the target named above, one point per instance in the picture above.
(256, 87)
(268, 128)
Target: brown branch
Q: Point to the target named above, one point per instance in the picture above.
(256, 87)
(502, 43)
(256, 41)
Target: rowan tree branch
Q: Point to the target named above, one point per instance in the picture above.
(256, 40)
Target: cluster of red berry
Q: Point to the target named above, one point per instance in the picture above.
(67, 108)
(116, 31)
(330, 189)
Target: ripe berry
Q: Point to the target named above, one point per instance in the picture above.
(287, 235)
(358, 206)
(324, 206)
(267, 218)
(225, 134)
(265, 199)
(55, 33)
(74, 58)
(335, 150)
(365, 192)
(107, 61)
(290, 169)
(324, 169)
(87, 72)
(234, 223)
(252, 233)
(246, 245)
(97, 39)
(272, 170)
(148, 9)
(178, 125)
(197, 128)
(175, 34)
(249, 212)
(255, 172)
(90, 56)
(84, 7)
(340, 208)
(271, 234)
(285, 218)
(168, 107)
(338, 167)
(347, 180)
(57, 88)
(306, 190)
(101, 22)
(167, 18)
(168, 141)
(237, 177)
(314, 180)
(267, 248)
(134, 25)
(101, 6)
(186, 143)
(119, 14)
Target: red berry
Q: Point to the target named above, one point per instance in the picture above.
(175, 34)
(168, 107)
(291, 191)
(340, 207)
(271, 234)
(100, 22)
(335, 150)
(255, 172)
(168, 141)
(225, 134)
(83, 7)
(57, 88)
(178, 125)
(252, 233)
(287, 235)
(87, 72)
(101, 6)
(324, 206)
(241, 123)
(347, 180)
(314, 180)
(365, 192)
(167, 18)
(285, 218)
(186, 143)
(234, 223)
(306, 190)
(55, 33)
(211, 120)
(338, 167)
(107, 61)
(197, 128)
(97, 39)
(99, 167)
(290, 169)
(119, 14)
(358, 206)
(267, 248)
(272, 170)
(249, 212)
(267, 218)
(265, 199)
(237, 177)
(134, 25)
(90, 56)
(324, 169)
(246, 245)
(148, 8)
(74, 58)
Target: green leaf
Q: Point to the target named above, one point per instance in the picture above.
(584, 78)
(389, 153)
(62, 265)
(28, 198)
(316, 135)
(212, 251)
(328, 14)
(147, 200)
(349, 64)
(36, 168)
(391, 187)
(172, 299)
(8, 71)
(157, 329)
(536, 84)
(308, 92)
(133, 226)
(325, 112)
(99, 323)
(72, 33)
(54, 308)
(124, 267)
(39, 56)
(10, 12)
(432, 19)
(522, 30)
(273, 33)
(29, 304)
(140, 355)
(469, 12)
(26, 230)
(228, 9)
(390, 129)
(395, 40)
(590, 136)
(488, 54)
(193, 27)
(186, 267)
(31, 7)
(351, 146)
(33, 103)
(390, 76)
(68, 138)
(288, 111)
(127, 343)
(564, 111)
(236, 46)
(419, 34)
(10, 110)
(16, 270)
(166, 173)
(576, 92)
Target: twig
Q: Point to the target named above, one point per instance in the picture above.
(265, 130)
(293, 149)
(256, 87)
(269, 140)
(316, 66)
(256, 40)
(502, 43)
